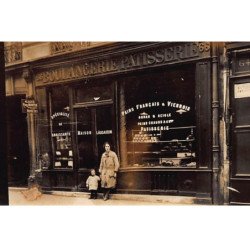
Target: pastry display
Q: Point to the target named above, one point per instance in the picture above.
(143, 137)
(151, 150)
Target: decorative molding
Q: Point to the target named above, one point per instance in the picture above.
(215, 104)
(62, 47)
(216, 148)
(27, 75)
(13, 53)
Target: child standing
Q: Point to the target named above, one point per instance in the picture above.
(92, 184)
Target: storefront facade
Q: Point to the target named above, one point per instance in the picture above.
(154, 102)
(174, 112)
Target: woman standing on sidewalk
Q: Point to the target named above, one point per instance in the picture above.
(108, 170)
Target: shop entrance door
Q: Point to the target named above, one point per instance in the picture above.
(240, 143)
(94, 126)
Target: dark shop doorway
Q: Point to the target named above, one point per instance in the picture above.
(17, 142)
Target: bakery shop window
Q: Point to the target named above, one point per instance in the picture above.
(60, 127)
(160, 122)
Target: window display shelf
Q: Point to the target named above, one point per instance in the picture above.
(148, 152)
(171, 146)
(167, 154)
(153, 167)
(160, 169)
(172, 141)
(63, 159)
(62, 169)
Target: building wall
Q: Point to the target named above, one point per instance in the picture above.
(35, 50)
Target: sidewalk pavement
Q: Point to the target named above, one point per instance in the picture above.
(24, 196)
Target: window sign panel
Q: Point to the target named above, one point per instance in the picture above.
(242, 63)
(242, 90)
(160, 120)
(242, 104)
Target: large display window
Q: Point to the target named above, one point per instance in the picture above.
(60, 127)
(160, 119)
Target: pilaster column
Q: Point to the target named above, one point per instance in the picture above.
(225, 123)
(216, 131)
(31, 122)
(123, 137)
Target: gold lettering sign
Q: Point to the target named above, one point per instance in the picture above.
(165, 55)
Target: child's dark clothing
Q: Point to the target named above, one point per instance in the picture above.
(93, 194)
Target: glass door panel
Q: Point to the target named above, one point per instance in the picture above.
(85, 138)
(94, 127)
(104, 128)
